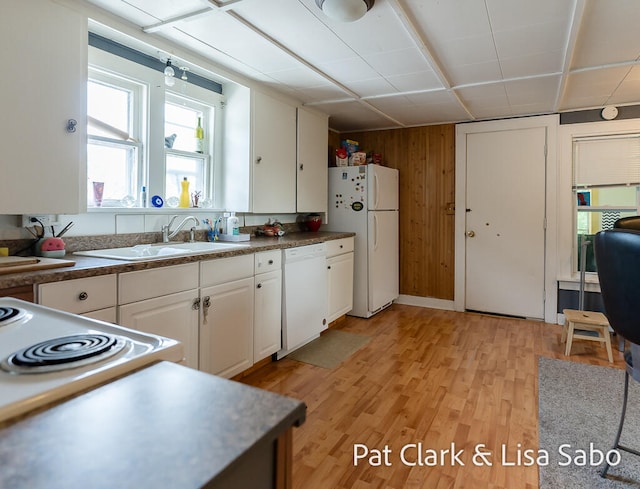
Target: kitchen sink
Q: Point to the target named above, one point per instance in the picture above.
(161, 250)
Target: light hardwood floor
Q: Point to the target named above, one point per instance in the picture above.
(427, 376)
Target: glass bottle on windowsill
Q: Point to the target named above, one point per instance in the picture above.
(199, 137)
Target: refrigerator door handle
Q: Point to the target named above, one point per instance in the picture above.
(375, 232)
(376, 190)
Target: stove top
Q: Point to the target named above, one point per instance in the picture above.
(46, 354)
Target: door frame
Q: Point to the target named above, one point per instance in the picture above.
(550, 123)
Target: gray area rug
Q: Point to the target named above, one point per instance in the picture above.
(580, 405)
(330, 349)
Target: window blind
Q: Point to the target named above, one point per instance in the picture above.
(606, 161)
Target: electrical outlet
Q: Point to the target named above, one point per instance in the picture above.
(46, 220)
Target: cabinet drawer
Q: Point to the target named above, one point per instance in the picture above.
(222, 270)
(145, 284)
(267, 261)
(339, 246)
(80, 295)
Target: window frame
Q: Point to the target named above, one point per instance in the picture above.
(138, 91)
(567, 253)
(150, 122)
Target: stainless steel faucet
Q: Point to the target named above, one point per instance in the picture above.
(167, 234)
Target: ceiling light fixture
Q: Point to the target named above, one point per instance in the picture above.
(184, 72)
(345, 10)
(169, 74)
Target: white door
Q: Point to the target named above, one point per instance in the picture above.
(383, 258)
(505, 210)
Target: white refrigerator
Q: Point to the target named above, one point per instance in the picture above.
(364, 199)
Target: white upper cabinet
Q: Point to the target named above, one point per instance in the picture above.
(274, 155)
(312, 173)
(43, 91)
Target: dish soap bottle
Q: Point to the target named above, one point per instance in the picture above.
(232, 225)
(199, 137)
(185, 200)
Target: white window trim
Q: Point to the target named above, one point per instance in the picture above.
(565, 205)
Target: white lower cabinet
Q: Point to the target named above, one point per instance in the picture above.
(226, 318)
(163, 301)
(339, 278)
(174, 316)
(267, 322)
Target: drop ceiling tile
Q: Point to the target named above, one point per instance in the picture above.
(166, 9)
(422, 80)
(591, 88)
(126, 11)
(220, 32)
(506, 14)
(444, 21)
(349, 69)
(467, 50)
(541, 90)
(299, 77)
(354, 116)
(550, 37)
(628, 92)
(484, 96)
(371, 87)
(533, 64)
(474, 73)
(431, 114)
(433, 97)
(378, 31)
(390, 63)
(320, 93)
(293, 25)
(608, 35)
(491, 112)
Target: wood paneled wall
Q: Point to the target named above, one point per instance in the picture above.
(426, 160)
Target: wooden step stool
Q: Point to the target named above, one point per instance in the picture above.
(586, 321)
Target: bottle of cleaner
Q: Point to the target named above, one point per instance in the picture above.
(199, 137)
(185, 199)
(233, 226)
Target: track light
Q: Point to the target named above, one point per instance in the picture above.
(345, 10)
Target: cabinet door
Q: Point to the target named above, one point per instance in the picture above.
(312, 174)
(274, 155)
(173, 316)
(45, 51)
(226, 328)
(267, 326)
(339, 285)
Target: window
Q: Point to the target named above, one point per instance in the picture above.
(143, 133)
(188, 147)
(606, 187)
(113, 149)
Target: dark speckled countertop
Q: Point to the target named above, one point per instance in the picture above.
(88, 266)
(165, 426)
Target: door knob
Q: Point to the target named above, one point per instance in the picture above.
(471, 234)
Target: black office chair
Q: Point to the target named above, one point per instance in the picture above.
(632, 222)
(618, 259)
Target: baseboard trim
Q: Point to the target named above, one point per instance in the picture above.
(430, 302)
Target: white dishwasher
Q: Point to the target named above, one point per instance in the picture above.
(304, 298)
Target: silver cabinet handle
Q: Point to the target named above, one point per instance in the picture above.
(71, 125)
